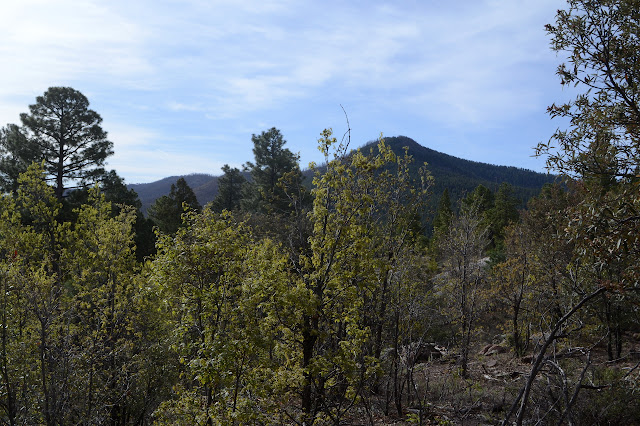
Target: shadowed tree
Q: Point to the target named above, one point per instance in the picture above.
(272, 162)
(229, 190)
(442, 220)
(16, 153)
(167, 210)
(61, 130)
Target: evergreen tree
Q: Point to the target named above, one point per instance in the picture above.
(480, 200)
(441, 223)
(503, 212)
(66, 134)
(230, 186)
(272, 162)
(444, 214)
(117, 193)
(166, 211)
(16, 154)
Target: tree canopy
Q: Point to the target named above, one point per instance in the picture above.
(62, 130)
(272, 161)
(333, 311)
(230, 186)
(167, 210)
(16, 154)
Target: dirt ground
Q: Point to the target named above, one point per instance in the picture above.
(486, 395)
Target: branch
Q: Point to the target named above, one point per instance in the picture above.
(523, 396)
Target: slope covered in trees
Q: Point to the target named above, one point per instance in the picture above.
(458, 175)
(461, 177)
(203, 185)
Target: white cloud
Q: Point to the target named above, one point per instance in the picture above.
(178, 106)
(167, 65)
(142, 156)
(55, 43)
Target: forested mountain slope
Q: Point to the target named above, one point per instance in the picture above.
(459, 175)
(462, 176)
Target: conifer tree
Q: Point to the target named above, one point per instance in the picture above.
(167, 210)
(230, 186)
(272, 162)
(61, 130)
(16, 154)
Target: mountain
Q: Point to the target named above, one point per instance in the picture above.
(204, 186)
(462, 176)
(459, 175)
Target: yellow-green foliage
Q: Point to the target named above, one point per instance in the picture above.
(232, 303)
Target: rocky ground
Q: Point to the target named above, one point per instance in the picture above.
(495, 376)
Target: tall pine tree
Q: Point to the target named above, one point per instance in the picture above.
(272, 162)
(61, 130)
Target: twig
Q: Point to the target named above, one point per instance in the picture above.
(523, 396)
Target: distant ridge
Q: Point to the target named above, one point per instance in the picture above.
(459, 175)
(462, 176)
(205, 187)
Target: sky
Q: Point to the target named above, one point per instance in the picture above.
(182, 85)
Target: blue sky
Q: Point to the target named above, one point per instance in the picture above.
(182, 86)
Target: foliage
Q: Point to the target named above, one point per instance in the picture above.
(167, 210)
(61, 130)
(227, 298)
(441, 221)
(230, 186)
(360, 215)
(600, 151)
(272, 162)
(74, 347)
(115, 192)
(16, 154)
(462, 281)
(601, 145)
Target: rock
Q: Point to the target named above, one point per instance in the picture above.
(493, 350)
(420, 352)
(484, 350)
(427, 352)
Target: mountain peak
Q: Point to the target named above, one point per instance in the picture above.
(460, 176)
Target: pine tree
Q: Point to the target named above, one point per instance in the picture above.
(61, 130)
(16, 154)
(444, 214)
(166, 211)
(230, 186)
(272, 162)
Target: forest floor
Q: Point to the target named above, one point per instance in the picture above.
(484, 396)
(481, 398)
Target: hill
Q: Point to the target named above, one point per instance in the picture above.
(204, 186)
(459, 175)
(463, 176)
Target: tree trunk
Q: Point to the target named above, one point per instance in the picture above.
(523, 397)
(309, 337)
